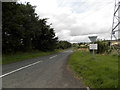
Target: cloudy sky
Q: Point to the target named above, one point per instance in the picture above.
(75, 20)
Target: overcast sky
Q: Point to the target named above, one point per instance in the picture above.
(75, 20)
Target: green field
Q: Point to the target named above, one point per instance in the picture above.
(20, 56)
(98, 72)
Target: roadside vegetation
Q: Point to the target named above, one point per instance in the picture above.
(25, 35)
(100, 71)
(20, 56)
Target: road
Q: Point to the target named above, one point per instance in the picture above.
(42, 72)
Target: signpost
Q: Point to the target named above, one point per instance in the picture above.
(93, 46)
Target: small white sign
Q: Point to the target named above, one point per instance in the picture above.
(93, 46)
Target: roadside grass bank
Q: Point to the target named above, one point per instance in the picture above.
(20, 56)
(98, 72)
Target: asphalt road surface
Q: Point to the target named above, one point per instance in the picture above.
(43, 72)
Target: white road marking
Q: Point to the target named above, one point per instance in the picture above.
(19, 69)
(68, 51)
(88, 88)
(53, 57)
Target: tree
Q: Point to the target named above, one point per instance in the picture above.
(11, 29)
(63, 45)
(24, 31)
(45, 37)
(29, 18)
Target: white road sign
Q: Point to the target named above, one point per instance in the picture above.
(93, 46)
(92, 38)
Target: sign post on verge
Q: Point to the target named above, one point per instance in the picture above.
(93, 46)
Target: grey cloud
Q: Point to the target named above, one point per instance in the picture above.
(74, 20)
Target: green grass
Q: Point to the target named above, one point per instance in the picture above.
(20, 56)
(100, 72)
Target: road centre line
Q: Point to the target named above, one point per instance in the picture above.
(53, 56)
(19, 69)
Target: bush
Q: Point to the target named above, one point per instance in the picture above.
(63, 45)
(102, 46)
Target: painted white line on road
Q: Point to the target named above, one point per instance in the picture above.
(53, 57)
(68, 51)
(19, 69)
(88, 88)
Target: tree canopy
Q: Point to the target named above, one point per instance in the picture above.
(22, 30)
(63, 45)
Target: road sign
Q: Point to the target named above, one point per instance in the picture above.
(92, 38)
(93, 46)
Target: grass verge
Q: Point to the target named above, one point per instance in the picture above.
(100, 72)
(20, 56)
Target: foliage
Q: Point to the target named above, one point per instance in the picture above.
(63, 44)
(75, 45)
(101, 72)
(23, 30)
(102, 46)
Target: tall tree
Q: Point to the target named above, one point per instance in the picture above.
(29, 18)
(23, 30)
(45, 37)
(11, 29)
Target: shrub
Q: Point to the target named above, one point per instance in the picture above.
(102, 47)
